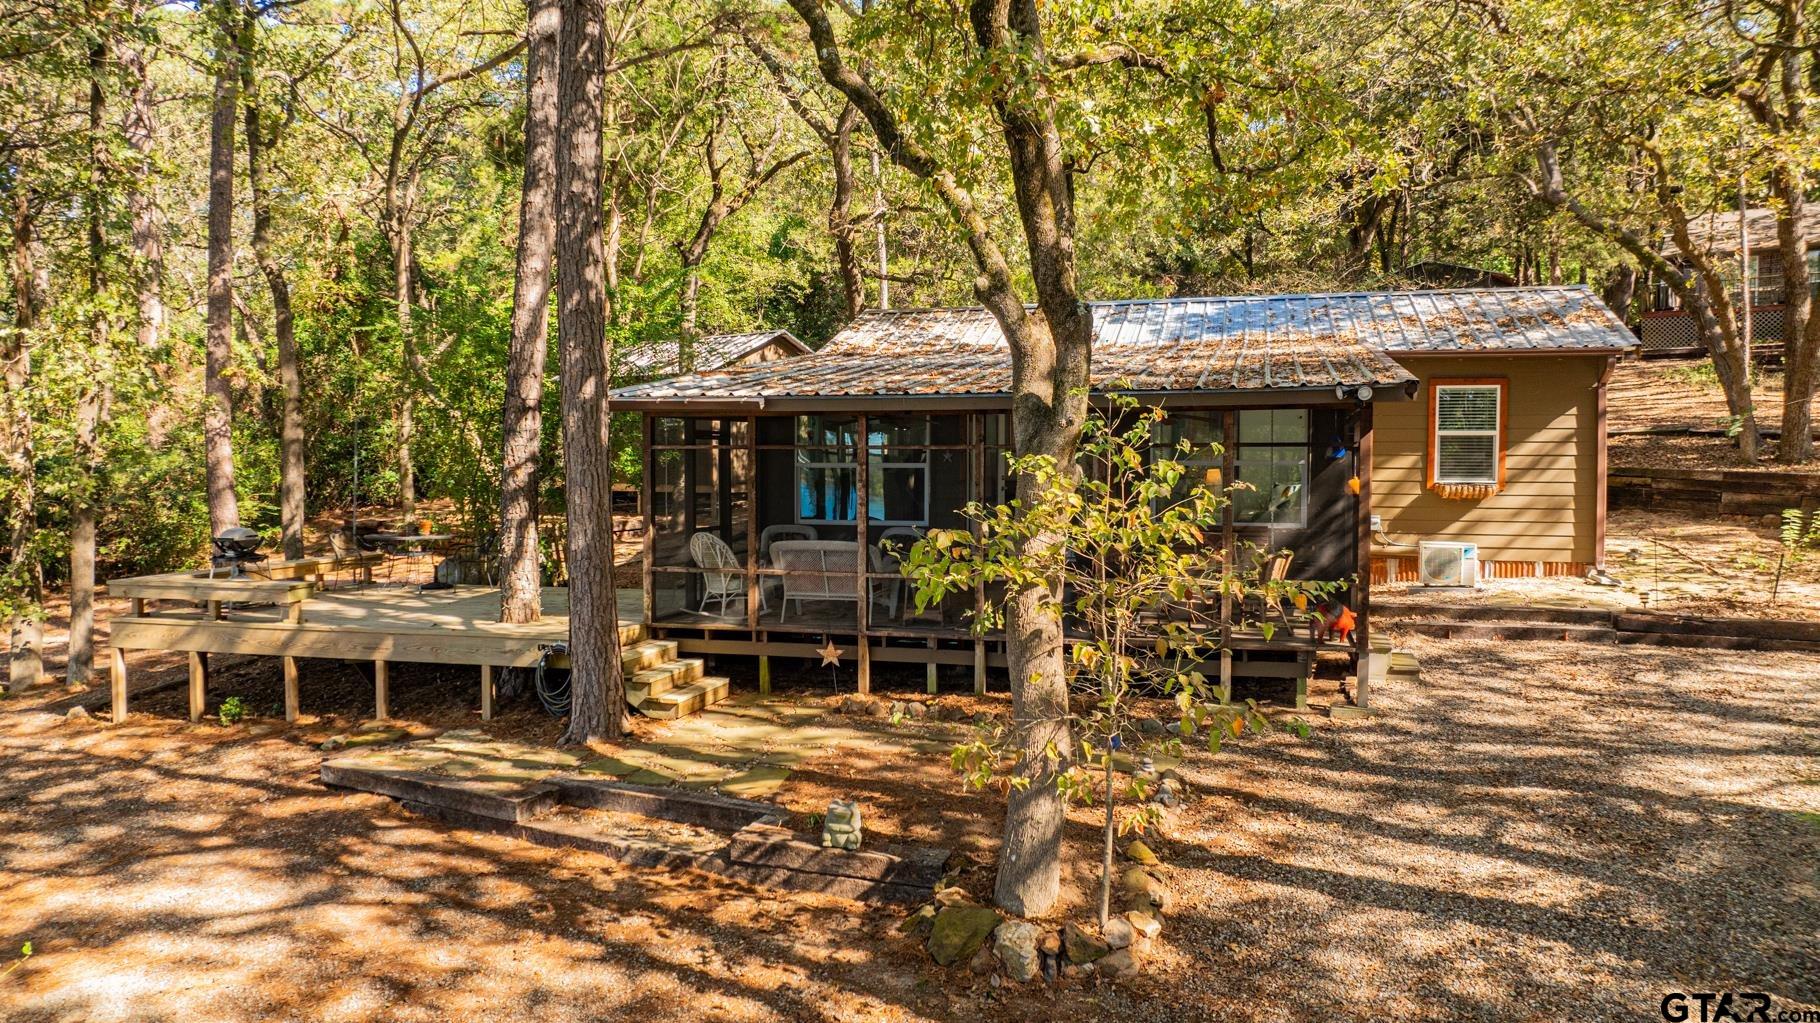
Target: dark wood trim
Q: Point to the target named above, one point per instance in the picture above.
(1434, 384)
(1602, 466)
(753, 583)
(1362, 455)
(1229, 442)
(1286, 397)
(646, 495)
(862, 511)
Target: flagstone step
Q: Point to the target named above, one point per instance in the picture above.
(685, 701)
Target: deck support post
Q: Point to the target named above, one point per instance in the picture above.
(929, 672)
(138, 607)
(199, 681)
(865, 666)
(1225, 691)
(979, 667)
(764, 674)
(214, 610)
(486, 692)
(382, 684)
(1304, 668)
(290, 688)
(117, 683)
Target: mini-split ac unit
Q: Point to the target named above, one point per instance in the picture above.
(1448, 563)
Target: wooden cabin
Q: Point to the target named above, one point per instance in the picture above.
(1667, 328)
(771, 488)
(756, 475)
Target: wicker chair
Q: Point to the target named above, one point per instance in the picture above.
(724, 580)
(827, 570)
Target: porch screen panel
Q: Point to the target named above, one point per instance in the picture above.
(827, 469)
(897, 479)
(1194, 440)
(1466, 427)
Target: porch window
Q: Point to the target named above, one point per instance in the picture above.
(1201, 465)
(1466, 439)
(1272, 457)
(827, 469)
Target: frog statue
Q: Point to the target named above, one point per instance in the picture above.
(841, 828)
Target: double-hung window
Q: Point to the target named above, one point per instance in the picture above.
(1272, 457)
(1466, 432)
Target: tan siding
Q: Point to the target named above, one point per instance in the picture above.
(1547, 509)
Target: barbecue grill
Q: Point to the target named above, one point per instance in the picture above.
(235, 549)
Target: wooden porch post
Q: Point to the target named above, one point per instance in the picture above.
(1362, 429)
(382, 685)
(199, 680)
(486, 692)
(117, 683)
(1229, 438)
(862, 487)
(976, 451)
(754, 586)
(646, 495)
(290, 688)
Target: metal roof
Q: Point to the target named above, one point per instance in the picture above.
(1226, 345)
(714, 351)
(1717, 233)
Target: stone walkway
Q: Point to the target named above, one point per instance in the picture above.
(744, 747)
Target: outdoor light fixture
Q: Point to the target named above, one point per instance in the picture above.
(1362, 392)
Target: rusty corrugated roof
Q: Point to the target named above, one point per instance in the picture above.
(1199, 345)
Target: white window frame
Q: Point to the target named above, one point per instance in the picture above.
(862, 502)
(1499, 390)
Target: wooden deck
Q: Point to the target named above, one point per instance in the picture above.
(373, 623)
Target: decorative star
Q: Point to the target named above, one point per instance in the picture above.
(830, 654)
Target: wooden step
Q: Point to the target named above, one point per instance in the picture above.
(646, 654)
(1407, 609)
(1513, 630)
(685, 701)
(663, 678)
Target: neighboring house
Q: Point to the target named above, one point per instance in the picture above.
(715, 351)
(1667, 327)
(1474, 415)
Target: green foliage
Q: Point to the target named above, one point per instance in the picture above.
(1125, 547)
(1800, 533)
(233, 710)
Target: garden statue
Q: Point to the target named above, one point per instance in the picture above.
(841, 828)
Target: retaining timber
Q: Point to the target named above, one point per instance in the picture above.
(1593, 625)
(1721, 491)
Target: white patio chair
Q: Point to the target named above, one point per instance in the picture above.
(771, 534)
(725, 579)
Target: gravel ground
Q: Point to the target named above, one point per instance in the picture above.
(1535, 831)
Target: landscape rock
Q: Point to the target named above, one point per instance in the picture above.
(1052, 943)
(1144, 925)
(375, 737)
(1119, 964)
(1152, 726)
(78, 713)
(920, 922)
(1082, 945)
(1138, 852)
(983, 963)
(1143, 889)
(1015, 944)
(959, 932)
(1118, 932)
(953, 895)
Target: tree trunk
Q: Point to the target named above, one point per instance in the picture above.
(292, 485)
(520, 572)
(401, 237)
(1620, 289)
(1050, 352)
(91, 402)
(599, 707)
(1800, 332)
(24, 573)
(218, 410)
(840, 213)
(148, 230)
